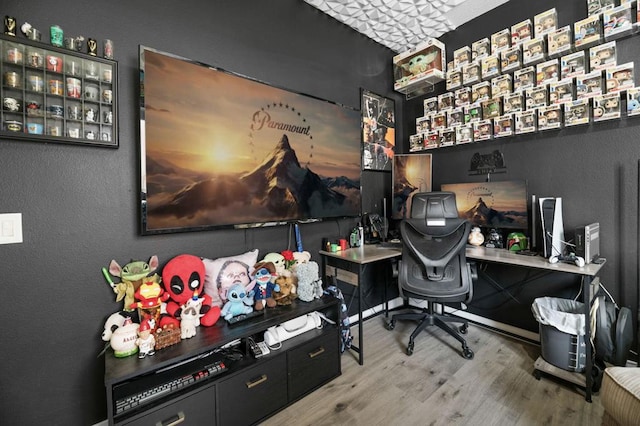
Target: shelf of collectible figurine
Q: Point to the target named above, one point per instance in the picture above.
(514, 84)
(51, 94)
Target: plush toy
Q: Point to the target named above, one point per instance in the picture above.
(238, 302)
(309, 283)
(190, 317)
(146, 341)
(264, 273)
(183, 278)
(287, 292)
(300, 257)
(123, 339)
(131, 277)
(279, 263)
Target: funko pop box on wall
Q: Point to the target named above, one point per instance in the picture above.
(422, 65)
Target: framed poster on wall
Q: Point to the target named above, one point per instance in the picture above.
(378, 131)
(411, 174)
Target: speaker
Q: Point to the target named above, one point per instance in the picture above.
(552, 226)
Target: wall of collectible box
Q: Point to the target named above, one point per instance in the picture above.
(531, 77)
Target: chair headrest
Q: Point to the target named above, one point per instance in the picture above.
(434, 207)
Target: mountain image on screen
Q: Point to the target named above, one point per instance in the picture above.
(482, 214)
(277, 189)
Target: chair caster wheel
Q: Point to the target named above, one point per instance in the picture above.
(410, 349)
(463, 329)
(391, 325)
(537, 374)
(467, 353)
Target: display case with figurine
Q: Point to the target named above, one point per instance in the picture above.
(461, 56)
(432, 139)
(619, 78)
(559, 42)
(454, 78)
(524, 79)
(573, 64)
(576, 112)
(462, 96)
(536, 97)
(602, 56)
(595, 7)
(423, 124)
(547, 72)
(503, 126)
(480, 49)
(416, 142)
(561, 91)
(525, 121)
(587, 32)
(52, 94)
(421, 66)
(430, 105)
(550, 117)
(500, 41)
(533, 51)
(501, 85)
(491, 108)
(606, 107)
(490, 67)
(633, 101)
(482, 130)
(471, 73)
(447, 136)
(480, 91)
(455, 117)
(438, 120)
(464, 134)
(545, 22)
(511, 58)
(512, 102)
(521, 32)
(617, 22)
(445, 101)
(589, 85)
(472, 113)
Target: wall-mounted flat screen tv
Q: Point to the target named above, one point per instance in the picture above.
(220, 150)
(500, 205)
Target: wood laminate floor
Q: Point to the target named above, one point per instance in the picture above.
(437, 386)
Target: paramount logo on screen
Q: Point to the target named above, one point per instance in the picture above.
(262, 119)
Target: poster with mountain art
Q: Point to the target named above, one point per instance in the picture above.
(378, 131)
(411, 174)
(220, 150)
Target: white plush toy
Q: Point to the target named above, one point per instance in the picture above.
(190, 318)
(309, 282)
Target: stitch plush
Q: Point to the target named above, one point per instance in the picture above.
(309, 283)
(238, 302)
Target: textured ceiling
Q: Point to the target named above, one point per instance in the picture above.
(402, 24)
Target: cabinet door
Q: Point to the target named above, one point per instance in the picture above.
(254, 393)
(314, 363)
(195, 408)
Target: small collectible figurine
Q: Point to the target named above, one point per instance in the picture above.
(146, 342)
(475, 237)
(264, 273)
(238, 302)
(190, 317)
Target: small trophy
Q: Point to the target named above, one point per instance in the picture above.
(10, 26)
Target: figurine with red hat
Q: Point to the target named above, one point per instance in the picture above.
(145, 341)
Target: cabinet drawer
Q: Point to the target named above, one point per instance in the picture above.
(195, 408)
(254, 393)
(313, 364)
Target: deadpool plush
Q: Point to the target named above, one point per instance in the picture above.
(183, 278)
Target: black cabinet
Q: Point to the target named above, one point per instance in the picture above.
(246, 391)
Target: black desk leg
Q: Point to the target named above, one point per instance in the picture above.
(586, 294)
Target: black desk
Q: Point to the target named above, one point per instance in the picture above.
(350, 266)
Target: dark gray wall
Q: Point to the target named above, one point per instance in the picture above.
(80, 204)
(593, 168)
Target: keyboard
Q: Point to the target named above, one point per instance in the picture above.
(126, 401)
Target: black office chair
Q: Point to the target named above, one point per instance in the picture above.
(434, 266)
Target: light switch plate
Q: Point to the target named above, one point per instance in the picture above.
(10, 228)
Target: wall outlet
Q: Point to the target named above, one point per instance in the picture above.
(10, 228)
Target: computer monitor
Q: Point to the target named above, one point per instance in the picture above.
(500, 205)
